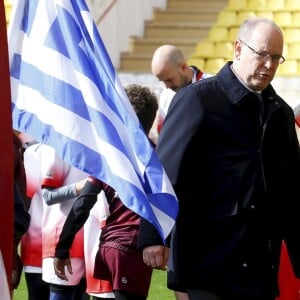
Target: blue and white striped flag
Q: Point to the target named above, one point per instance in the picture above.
(66, 93)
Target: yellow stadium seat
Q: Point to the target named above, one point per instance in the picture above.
(242, 15)
(233, 33)
(213, 65)
(257, 5)
(265, 14)
(283, 18)
(217, 33)
(204, 49)
(226, 18)
(291, 35)
(292, 5)
(296, 18)
(7, 7)
(293, 51)
(288, 68)
(276, 4)
(237, 4)
(197, 62)
(224, 50)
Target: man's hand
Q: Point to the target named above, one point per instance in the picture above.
(156, 257)
(59, 267)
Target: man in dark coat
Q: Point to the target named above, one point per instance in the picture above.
(234, 162)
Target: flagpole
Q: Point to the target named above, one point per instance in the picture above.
(6, 153)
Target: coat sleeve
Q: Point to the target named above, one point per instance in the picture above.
(148, 235)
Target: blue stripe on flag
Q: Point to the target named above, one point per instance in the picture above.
(65, 93)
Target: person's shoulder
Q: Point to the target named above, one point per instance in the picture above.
(188, 93)
(206, 81)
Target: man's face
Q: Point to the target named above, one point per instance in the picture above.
(255, 58)
(173, 78)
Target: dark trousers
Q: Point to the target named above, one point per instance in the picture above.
(63, 292)
(37, 288)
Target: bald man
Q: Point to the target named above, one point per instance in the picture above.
(168, 65)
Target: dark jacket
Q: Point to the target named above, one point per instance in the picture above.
(21, 203)
(236, 179)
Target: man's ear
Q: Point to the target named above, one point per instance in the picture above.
(237, 48)
(184, 66)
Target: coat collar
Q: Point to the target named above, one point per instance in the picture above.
(235, 90)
